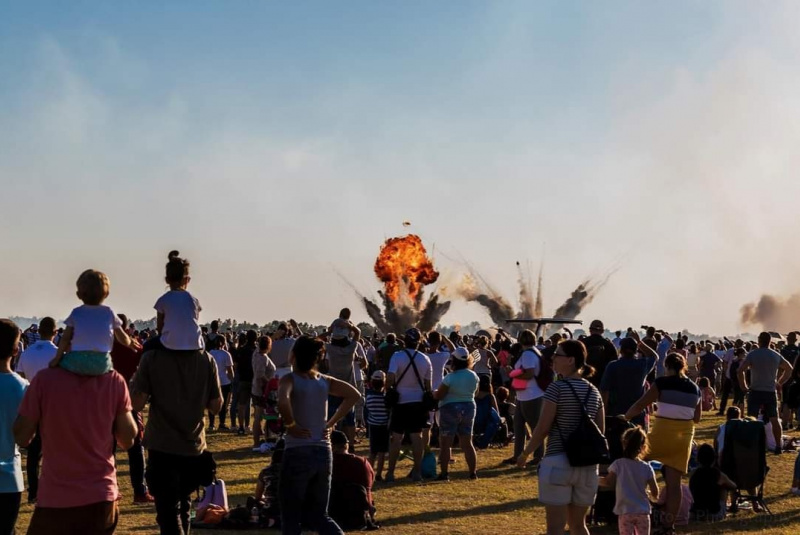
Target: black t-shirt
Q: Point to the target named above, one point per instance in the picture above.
(704, 484)
(244, 363)
(600, 351)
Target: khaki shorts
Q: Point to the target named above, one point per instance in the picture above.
(562, 484)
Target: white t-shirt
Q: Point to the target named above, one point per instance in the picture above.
(224, 360)
(181, 320)
(438, 362)
(529, 361)
(36, 358)
(408, 387)
(93, 328)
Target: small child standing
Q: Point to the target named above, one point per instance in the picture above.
(378, 422)
(85, 346)
(708, 394)
(178, 319)
(632, 478)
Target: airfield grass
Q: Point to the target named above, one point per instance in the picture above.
(502, 500)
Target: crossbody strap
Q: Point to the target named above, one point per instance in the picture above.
(405, 371)
(416, 372)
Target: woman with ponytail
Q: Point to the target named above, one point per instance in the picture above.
(566, 491)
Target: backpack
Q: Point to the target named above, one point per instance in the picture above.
(546, 372)
(586, 445)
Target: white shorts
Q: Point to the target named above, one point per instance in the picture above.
(562, 484)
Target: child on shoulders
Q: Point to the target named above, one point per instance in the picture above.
(178, 319)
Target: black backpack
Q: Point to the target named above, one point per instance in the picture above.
(586, 446)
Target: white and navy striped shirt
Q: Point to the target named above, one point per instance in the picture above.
(568, 409)
(377, 412)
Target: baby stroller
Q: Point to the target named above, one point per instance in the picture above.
(602, 512)
(744, 460)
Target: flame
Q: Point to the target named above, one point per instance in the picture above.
(404, 267)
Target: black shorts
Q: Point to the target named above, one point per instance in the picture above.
(378, 439)
(758, 399)
(408, 418)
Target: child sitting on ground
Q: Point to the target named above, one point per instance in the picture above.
(85, 346)
(378, 422)
(178, 319)
(709, 487)
(708, 395)
(632, 478)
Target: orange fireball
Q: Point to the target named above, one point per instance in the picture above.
(403, 264)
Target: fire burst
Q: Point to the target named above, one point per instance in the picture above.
(405, 269)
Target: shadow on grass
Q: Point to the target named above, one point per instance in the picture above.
(432, 516)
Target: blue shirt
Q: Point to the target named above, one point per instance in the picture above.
(12, 388)
(462, 385)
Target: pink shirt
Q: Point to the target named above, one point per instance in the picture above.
(76, 415)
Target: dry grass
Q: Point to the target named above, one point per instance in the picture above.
(503, 499)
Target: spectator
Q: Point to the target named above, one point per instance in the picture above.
(530, 398)
(385, 352)
(410, 370)
(307, 461)
(244, 372)
(790, 353)
(351, 479)
(709, 486)
(343, 365)
(729, 378)
(456, 397)
(768, 370)
(600, 351)
(672, 431)
(125, 361)
(565, 403)
(378, 422)
(263, 372)
(36, 358)
(617, 341)
(180, 387)
(224, 362)
(624, 380)
(78, 488)
(282, 342)
(12, 389)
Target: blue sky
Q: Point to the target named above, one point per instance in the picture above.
(276, 143)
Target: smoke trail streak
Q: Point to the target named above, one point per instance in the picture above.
(538, 309)
(526, 304)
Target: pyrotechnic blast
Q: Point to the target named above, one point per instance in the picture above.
(405, 269)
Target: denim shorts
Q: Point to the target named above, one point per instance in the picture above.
(349, 419)
(456, 418)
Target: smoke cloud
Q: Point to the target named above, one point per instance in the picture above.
(773, 313)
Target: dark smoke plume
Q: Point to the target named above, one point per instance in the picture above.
(538, 308)
(526, 304)
(773, 313)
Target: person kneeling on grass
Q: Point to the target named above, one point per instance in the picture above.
(456, 397)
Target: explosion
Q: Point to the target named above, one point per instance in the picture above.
(404, 268)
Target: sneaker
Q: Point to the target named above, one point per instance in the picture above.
(795, 491)
(443, 477)
(240, 431)
(143, 498)
(224, 428)
(473, 476)
(210, 429)
(510, 461)
(389, 478)
(248, 430)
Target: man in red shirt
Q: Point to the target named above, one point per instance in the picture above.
(349, 473)
(78, 486)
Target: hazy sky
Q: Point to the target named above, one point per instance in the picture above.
(274, 143)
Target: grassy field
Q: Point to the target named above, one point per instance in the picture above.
(503, 499)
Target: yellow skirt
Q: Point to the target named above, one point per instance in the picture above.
(671, 442)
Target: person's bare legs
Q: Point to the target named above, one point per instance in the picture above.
(673, 489)
(419, 448)
(257, 420)
(777, 432)
(469, 452)
(394, 453)
(350, 433)
(576, 518)
(445, 443)
(557, 516)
